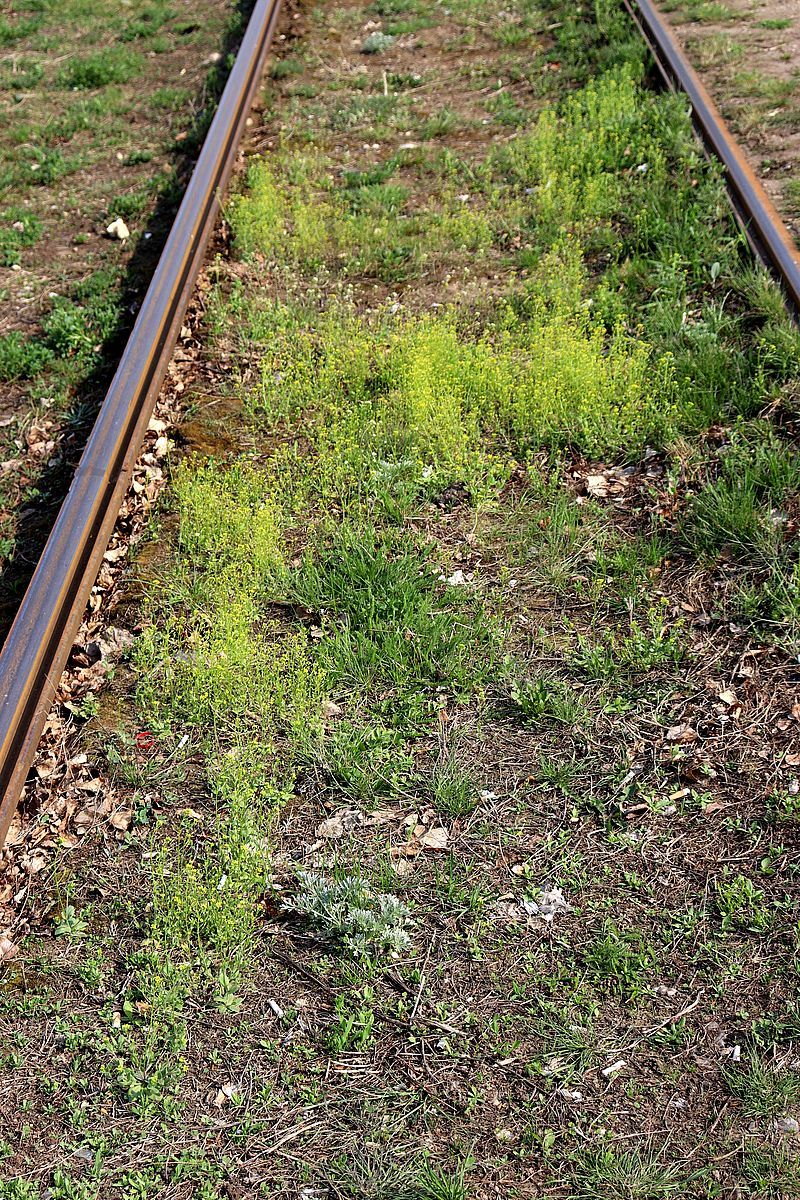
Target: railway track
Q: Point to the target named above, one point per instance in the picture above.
(42, 636)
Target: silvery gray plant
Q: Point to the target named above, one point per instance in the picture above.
(365, 922)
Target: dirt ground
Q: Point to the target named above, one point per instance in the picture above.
(589, 813)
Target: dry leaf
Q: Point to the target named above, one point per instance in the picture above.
(681, 733)
(382, 816)
(435, 839)
(46, 767)
(8, 949)
(339, 824)
(597, 485)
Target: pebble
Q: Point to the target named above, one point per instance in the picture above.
(119, 230)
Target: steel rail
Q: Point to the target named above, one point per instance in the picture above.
(757, 215)
(41, 638)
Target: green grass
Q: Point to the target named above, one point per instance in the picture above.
(625, 1174)
(453, 784)
(702, 10)
(390, 623)
(99, 69)
(764, 1089)
(772, 1173)
(19, 229)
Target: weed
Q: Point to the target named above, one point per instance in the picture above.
(366, 760)
(77, 331)
(100, 68)
(375, 1173)
(377, 43)
(355, 1023)
(147, 22)
(436, 1183)
(70, 924)
(21, 27)
(455, 888)
(599, 311)
(741, 903)
(365, 922)
(542, 700)
(621, 961)
(785, 806)
(641, 648)
(168, 98)
(737, 510)
(21, 357)
(763, 1088)
(610, 1174)
(285, 67)
(19, 229)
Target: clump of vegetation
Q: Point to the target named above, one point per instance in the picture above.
(100, 68)
(546, 700)
(621, 961)
(454, 787)
(365, 922)
(377, 42)
(22, 357)
(765, 1089)
(390, 623)
(19, 229)
(613, 1174)
(366, 760)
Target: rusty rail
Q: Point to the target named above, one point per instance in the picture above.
(763, 227)
(40, 640)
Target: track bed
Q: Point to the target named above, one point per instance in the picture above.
(435, 835)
